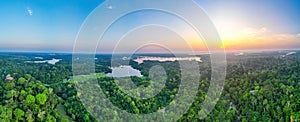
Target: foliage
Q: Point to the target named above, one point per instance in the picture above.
(30, 99)
(41, 98)
(258, 87)
(19, 103)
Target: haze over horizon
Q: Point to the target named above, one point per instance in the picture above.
(243, 25)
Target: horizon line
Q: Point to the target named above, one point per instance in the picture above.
(188, 53)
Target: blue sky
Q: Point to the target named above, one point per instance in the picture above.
(52, 25)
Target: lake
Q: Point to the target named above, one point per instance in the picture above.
(164, 59)
(53, 61)
(124, 71)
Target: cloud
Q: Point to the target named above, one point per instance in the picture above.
(110, 7)
(275, 37)
(263, 38)
(29, 10)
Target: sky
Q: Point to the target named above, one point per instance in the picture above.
(52, 25)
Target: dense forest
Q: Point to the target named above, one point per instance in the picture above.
(258, 87)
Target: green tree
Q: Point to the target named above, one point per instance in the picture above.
(19, 113)
(21, 80)
(27, 76)
(50, 118)
(64, 120)
(5, 114)
(29, 116)
(30, 99)
(41, 98)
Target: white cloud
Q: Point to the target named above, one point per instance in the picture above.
(265, 34)
(110, 7)
(264, 38)
(254, 31)
(29, 10)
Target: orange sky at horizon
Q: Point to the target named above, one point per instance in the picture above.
(250, 39)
